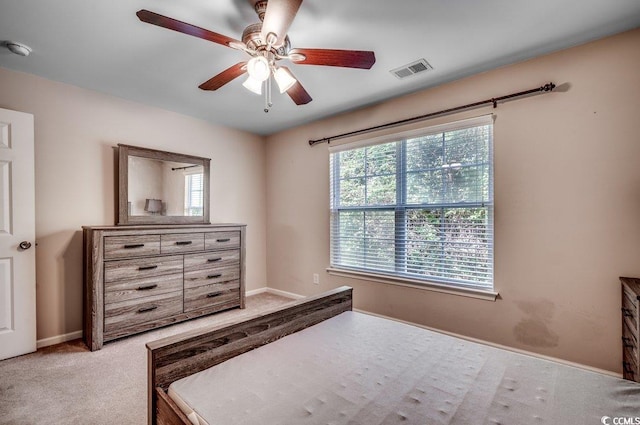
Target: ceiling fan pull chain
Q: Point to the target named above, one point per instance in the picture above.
(267, 95)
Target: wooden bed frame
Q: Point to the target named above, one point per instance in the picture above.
(178, 356)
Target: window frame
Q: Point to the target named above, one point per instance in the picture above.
(400, 276)
(188, 195)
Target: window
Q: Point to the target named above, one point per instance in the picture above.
(419, 207)
(193, 194)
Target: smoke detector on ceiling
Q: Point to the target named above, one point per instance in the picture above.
(411, 69)
(17, 48)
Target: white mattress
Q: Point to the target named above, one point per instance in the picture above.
(359, 369)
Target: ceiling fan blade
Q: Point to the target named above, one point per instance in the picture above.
(329, 57)
(183, 27)
(278, 19)
(297, 93)
(224, 77)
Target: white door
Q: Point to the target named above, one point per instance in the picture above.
(17, 235)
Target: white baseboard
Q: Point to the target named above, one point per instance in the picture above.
(45, 342)
(285, 294)
(256, 291)
(503, 347)
(78, 334)
(275, 292)
(467, 338)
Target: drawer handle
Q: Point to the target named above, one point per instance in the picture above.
(214, 276)
(147, 267)
(213, 260)
(134, 245)
(146, 309)
(627, 343)
(184, 242)
(627, 368)
(626, 312)
(214, 294)
(223, 240)
(146, 288)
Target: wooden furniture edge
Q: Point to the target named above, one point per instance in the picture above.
(633, 284)
(87, 295)
(243, 265)
(154, 228)
(122, 190)
(93, 313)
(169, 410)
(123, 187)
(630, 289)
(178, 356)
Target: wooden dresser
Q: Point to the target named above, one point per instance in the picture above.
(630, 328)
(138, 278)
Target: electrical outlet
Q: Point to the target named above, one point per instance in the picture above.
(316, 278)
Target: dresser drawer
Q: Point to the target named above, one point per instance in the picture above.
(139, 288)
(212, 295)
(131, 246)
(141, 267)
(182, 242)
(211, 260)
(222, 240)
(128, 314)
(205, 277)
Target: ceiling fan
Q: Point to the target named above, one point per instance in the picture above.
(267, 43)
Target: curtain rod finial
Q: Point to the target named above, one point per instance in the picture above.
(548, 87)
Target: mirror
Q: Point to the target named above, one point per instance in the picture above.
(157, 187)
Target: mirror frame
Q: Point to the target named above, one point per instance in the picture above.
(124, 152)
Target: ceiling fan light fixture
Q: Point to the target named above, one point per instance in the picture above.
(258, 68)
(238, 45)
(17, 48)
(297, 57)
(271, 39)
(284, 79)
(253, 85)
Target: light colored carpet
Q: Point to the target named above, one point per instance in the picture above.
(68, 384)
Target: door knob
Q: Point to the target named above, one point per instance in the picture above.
(25, 245)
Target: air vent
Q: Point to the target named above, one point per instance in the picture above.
(413, 68)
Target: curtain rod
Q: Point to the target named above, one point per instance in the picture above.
(184, 168)
(494, 100)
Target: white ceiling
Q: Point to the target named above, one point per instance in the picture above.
(101, 45)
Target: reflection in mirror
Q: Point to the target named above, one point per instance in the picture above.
(165, 188)
(157, 187)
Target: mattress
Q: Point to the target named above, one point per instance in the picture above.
(360, 369)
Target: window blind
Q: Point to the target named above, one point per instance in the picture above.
(194, 194)
(417, 205)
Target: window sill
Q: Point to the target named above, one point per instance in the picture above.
(414, 283)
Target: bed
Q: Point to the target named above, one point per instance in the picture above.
(315, 361)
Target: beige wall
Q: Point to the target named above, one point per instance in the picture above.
(75, 132)
(567, 191)
(567, 205)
